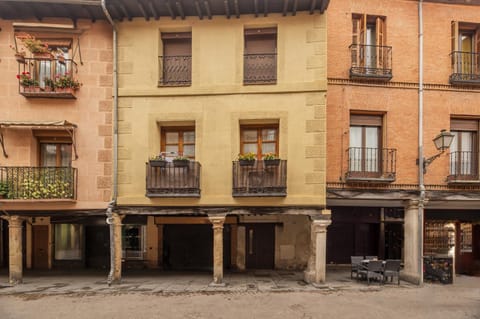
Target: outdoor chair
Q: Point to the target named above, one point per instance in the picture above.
(391, 269)
(373, 271)
(356, 265)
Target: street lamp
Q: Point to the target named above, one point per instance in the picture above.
(442, 142)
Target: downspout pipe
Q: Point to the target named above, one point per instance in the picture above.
(421, 172)
(112, 204)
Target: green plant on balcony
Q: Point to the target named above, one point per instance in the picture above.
(4, 190)
(271, 159)
(34, 45)
(32, 188)
(181, 161)
(158, 161)
(66, 81)
(26, 79)
(247, 159)
(49, 84)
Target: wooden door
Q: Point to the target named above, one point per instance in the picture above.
(260, 246)
(40, 246)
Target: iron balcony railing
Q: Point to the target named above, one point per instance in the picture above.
(259, 180)
(260, 68)
(38, 182)
(465, 68)
(371, 62)
(371, 164)
(463, 166)
(176, 70)
(170, 180)
(47, 78)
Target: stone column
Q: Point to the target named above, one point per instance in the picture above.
(411, 242)
(115, 222)
(217, 223)
(316, 269)
(15, 249)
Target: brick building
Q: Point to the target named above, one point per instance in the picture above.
(377, 100)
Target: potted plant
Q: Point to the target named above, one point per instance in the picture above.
(271, 159)
(181, 161)
(65, 83)
(4, 190)
(158, 161)
(247, 159)
(38, 49)
(49, 84)
(19, 55)
(27, 82)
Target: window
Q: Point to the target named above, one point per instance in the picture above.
(178, 141)
(370, 55)
(55, 148)
(465, 51)
(68, 241)
(365, 143)
(464, 150)
(259, 139)
(466, 237)
(177, 59)
(133, 241)
(260, 59)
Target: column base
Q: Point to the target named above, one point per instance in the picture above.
(410, 277)
(15, 281)
(217, 285)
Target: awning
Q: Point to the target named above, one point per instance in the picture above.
(39, 125)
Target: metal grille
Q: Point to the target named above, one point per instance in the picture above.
(463, 166)
(260, 68)
(371, 61)
(176, 70)
(259, 179)
(173, 181)
(465, 68)
(374, 163)
(39, 182)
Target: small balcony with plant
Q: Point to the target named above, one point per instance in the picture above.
(371, 165)
(465, 68)
(45, 73)
(172, 177)
(259, 178)
(38, 183)
(371, 62)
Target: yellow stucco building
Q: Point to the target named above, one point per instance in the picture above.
(210, 83)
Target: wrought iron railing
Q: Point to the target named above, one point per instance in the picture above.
(463, 166)
(45, 77)
(259, 179)
(260, 68)
(38, 182)
(176, 70)
(371, 61)
(170, 180)
(373, 164)
(465, 68)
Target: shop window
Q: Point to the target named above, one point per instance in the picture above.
(465, 238)
(133, 241)
(68, 241)
(177, 141)
(259, 139)
(176, 62)
(260, 56)
(439, 238)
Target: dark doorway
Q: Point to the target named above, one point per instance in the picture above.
(3, 243)
(340, 243)
(97, 243)
(393, 240)
(260, 246)
(40, 246)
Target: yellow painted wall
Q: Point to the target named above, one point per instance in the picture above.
(217, 103)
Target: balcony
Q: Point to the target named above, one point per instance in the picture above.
(175, 70)
(260, 180)
(371, 165)
(38, 183)
(465, 68)
(371, 62)
(47, 78)
(173, 181)
(260, 68)
(463, 168)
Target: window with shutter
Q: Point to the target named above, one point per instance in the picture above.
(464, 149)
(176, 62)
(465, 56)
(260, 56)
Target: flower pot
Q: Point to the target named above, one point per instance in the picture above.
(158, 163)
(65, 90)
(180, 163)
(42, 55)
(246, 162)
(31, 89)
(272, 162)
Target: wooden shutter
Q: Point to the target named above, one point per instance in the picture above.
(454, 37)
(380, 41)
(463, 125)
(365, 120)
(363, 38)
(476, 57)
(355, 40)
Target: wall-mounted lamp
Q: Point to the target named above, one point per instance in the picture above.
(442, 142)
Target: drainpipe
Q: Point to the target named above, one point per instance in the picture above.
(421, 172)
(111, 205)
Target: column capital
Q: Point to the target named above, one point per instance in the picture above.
(320, 225)
(217, 220)
(14, 221)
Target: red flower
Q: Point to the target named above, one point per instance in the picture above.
(18, 76)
